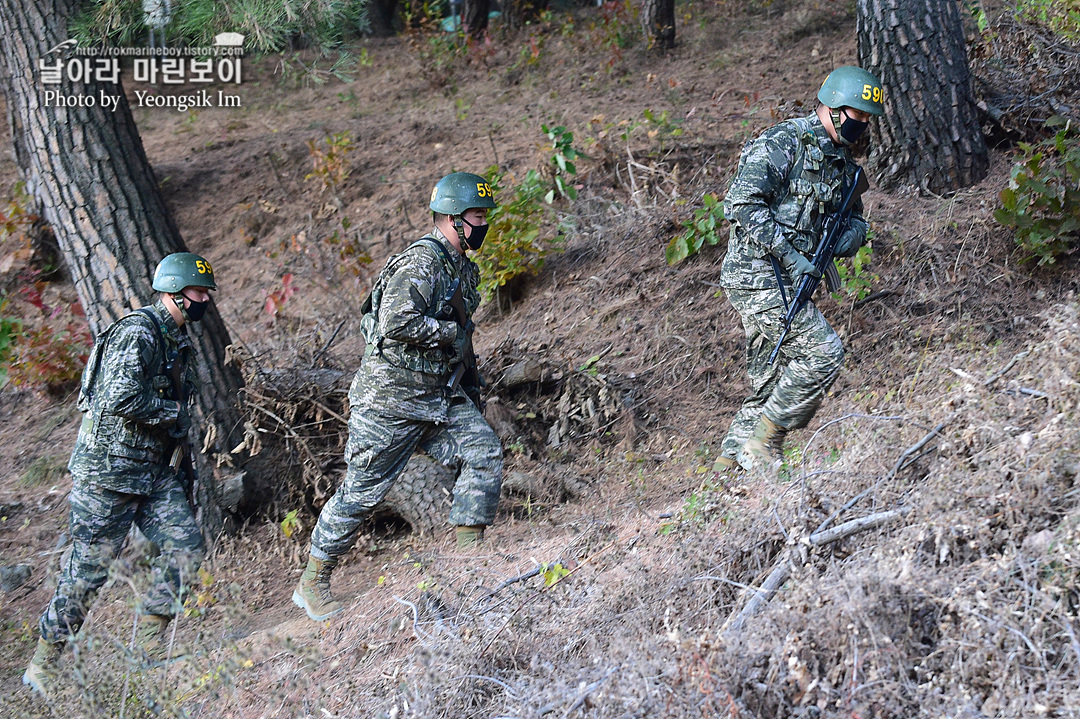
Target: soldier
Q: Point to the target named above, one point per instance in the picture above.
(124, 468)
(788, 180)
(403, 396)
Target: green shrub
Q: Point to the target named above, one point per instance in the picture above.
(703, 228)
(268, 25)
(1042, 201)
(515, 243)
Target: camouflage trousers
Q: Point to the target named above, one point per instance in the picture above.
(789, 391)
(378, 449)
(100, 521)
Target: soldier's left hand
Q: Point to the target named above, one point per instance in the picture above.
(849, 243)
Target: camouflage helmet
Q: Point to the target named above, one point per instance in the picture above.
(183, 269)
(459, 191)
(854, 87)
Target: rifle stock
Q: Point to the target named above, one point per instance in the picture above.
(834, 226)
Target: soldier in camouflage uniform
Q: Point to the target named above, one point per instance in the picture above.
(124, 468)
(402, 396)
(788, 180)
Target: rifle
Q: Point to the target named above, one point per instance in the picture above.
(465, 369)
(181, 454)
(835, 225)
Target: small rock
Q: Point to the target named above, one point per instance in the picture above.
(14, 576)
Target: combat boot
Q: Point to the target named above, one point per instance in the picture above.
(42, 668)
(469, 536)
(765, 448)
(725, 466)
(312, 594)
(152, 635)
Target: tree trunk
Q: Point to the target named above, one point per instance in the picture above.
(474, 17)
(381, 17)
(930, 137)
(658, 23)
(87, 169)
(516, 13)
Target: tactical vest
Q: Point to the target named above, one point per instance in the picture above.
(428, 360)
(120, 436)
(812, 191)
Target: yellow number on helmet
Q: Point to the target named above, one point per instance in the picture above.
(483, 189)
(867, 92)
(878, 94)
(203, 266)
(433, 191)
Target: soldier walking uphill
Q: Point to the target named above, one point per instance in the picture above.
(406, 394)
(788, 181)
(125, 466)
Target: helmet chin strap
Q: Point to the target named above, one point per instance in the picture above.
(180, 304)
(459, 225)
(834, 113)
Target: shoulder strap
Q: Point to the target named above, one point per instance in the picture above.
(93, 362)
(425, 241)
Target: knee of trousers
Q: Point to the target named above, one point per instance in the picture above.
(831, 358)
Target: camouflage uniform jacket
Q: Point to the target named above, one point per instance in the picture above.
(128, 411)
(410, 333)
(789, 179)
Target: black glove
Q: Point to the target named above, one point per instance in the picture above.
(180, 428)
(849, 243)
(797, 266)
(457, 348)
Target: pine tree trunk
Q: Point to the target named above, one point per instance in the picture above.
(930, 137)
(658, 23)
(381, 17)
(87, 169)
(474, 17)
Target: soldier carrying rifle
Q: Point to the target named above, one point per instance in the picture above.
(790, 181)
(416, 387)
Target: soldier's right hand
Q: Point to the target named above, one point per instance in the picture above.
(183, 423)
(797, 266)
(457, 348)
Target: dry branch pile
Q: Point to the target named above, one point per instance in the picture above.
(296, 420)
(1024, 74)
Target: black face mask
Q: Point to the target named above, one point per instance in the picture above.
(194, 311)
(476, 237)
(850, 129)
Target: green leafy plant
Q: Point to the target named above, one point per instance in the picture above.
(1042, 201)
(563, 154)
(661, 127)
(553, 573)
(702, 229)
(615, 29)
(291, 524)
(515, 245)
(330, 160)
(856, 280)
(1061, 16)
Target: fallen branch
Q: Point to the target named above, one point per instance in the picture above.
(896, 468)
(876, 296)
(782, 570)
(1001, 372)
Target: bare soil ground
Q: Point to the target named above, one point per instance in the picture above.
(964, 605)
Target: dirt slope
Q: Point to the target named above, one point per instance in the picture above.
(966, 605)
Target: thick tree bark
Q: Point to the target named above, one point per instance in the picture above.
(87, 169)
(515, 13)
(658, 23)
(474, 17)
(381, 16)
(930, 137)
